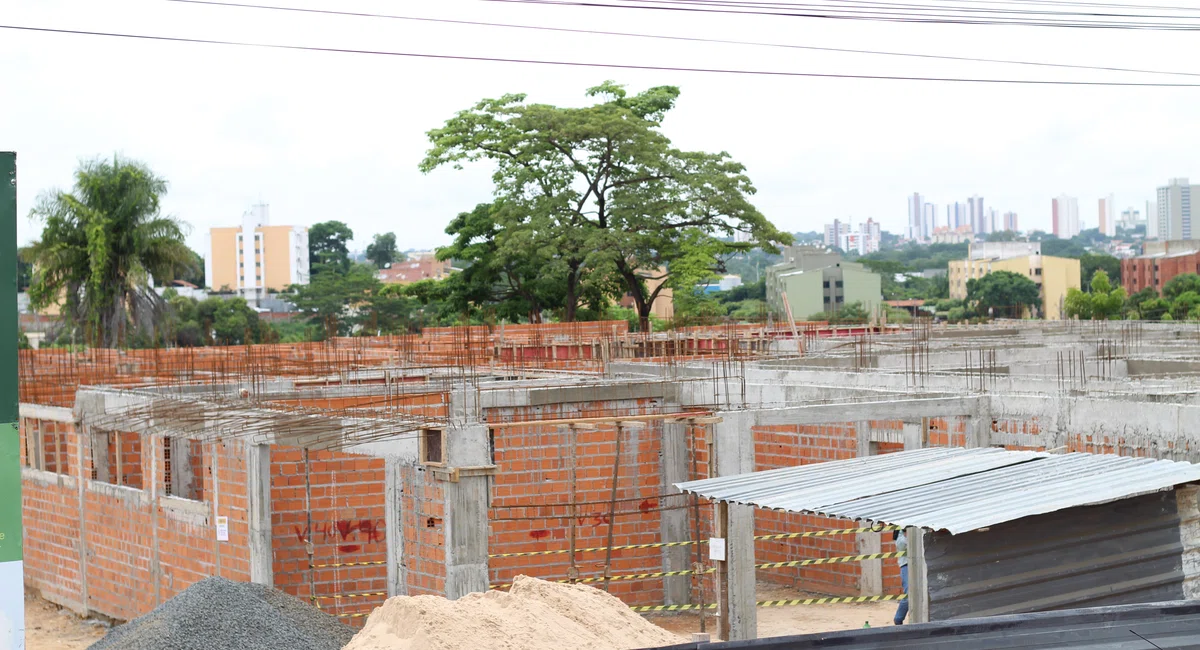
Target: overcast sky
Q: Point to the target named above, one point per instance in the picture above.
(324, 136)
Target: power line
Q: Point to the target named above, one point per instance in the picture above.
(827, 12)
(676, 38)
(583, 64)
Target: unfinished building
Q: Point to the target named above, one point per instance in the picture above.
(451, 462)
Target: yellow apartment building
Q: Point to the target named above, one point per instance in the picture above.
(256, 257)
(1052, 275)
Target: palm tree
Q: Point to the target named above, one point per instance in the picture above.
(101, 245)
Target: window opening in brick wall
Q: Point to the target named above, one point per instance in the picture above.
(432, 446)
(117, 458)
(183, 468)
(46, 446)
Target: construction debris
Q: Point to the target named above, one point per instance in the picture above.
(219, 614)
(533, 615)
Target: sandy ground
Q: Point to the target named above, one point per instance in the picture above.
(47, 627)
(783, 621)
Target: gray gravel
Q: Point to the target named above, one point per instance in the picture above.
(219, 614)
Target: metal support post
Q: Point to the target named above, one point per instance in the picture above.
(12, 593)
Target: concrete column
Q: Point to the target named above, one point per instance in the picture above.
(466, 522)
(258, 506)
(916, 434)
(733, 445)
(674, 523)
(393, 517)
(918, 577)
(870, 581)
(979, 431)
(182, 481)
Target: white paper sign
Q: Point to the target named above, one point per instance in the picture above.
(716, 549)
(222, 529)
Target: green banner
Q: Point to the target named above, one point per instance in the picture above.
(10, 494)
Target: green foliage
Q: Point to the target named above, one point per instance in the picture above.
(1055, 247)
(334, 301)
(24, 269)
(22, 340)
(697, 308)
(1090, 263)
(1181, 284)
(382, 250)
(850, 313)
(195, 273)
(1183, 304)
(1078, 304)
(915, 257)
(751, 265)
(1155, 309)
(230, 321)
(327, 247)
(101, 245)
(597, 197)
(1002, 293)
(1003, 235)
(1135, 302)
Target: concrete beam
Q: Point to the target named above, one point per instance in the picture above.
(910, 410)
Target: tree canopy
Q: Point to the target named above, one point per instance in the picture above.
(327, 247)
(596, 199)
(102, 244)
(1090, 263)
(382, 250)
(1104, 302)
(1002, 293)
(1180, 285)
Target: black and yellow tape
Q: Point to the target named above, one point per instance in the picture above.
(767, 565)
(370, 594)
(597, 549)
(344, 564)
(775, 603)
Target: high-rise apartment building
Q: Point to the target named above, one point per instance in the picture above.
(834, 232)
(1152, 223)
(1172, 218)
(978, 218)
(1010, 221)
(957, 216)
(1108, 223)
(929, 221)
(1064, 217)
(1130, 218)
(256, 257)
(916, 218)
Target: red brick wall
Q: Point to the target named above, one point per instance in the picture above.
(423, 505)
(123, 524)
(343, 520)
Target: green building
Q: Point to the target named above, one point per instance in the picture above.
(816, 280)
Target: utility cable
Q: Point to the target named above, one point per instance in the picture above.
(693, 39)
(835, 14)
(584, 64)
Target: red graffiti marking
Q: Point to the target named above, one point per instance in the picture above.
(646, 505)
(342, 531)
(539, 534)
(345, 527)
(350, 548)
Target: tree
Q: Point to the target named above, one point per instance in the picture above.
(1180, 285)
(1183, 304)
(382, 250)
(229, 321)
(1078, 304)
(1136, 302)
(1155, 309)
(1002, 235)
(327, 249)
(605, 192)
(1055, 247)
(337, 301)
(1090, 263)
(1002, 293)
(1107, 301)
(101, 245)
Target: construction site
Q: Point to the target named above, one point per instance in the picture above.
(453, 461)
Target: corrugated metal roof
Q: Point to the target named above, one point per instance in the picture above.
(951, 489)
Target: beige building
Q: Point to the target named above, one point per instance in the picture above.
(256, 257)
(1053, 275)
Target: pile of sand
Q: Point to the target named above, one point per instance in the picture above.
(532, 615)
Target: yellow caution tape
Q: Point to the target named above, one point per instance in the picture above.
(768, 565)
(775, 603)
(597, 549)
(355, 615)
(342, 564)
(363, 595)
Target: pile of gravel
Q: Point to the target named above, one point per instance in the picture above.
(219, 614)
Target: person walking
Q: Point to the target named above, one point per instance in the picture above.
(902, 547)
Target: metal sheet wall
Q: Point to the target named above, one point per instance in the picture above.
(1124, 552)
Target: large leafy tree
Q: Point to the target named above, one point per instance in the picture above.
(327, 247)
(1102, 303)
(337, 302)
(1181, 284)
(605, 191)
(382, 250)
(1002, 293)
(101, 245)
(1090, 263)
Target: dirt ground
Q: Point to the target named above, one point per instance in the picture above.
(783, 621)
(48, 627)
